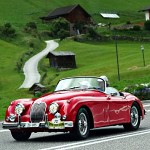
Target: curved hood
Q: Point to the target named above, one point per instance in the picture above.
(66, 95)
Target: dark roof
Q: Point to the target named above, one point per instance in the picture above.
(62, 11)
(61, 53)
(35, 85)
(145, 9)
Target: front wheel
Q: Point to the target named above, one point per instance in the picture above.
(20, 135)
(82, 125)
(134, 118)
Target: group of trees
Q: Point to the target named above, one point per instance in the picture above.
(7, 31)
(58, 28)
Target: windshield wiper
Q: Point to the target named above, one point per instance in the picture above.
(62, 90)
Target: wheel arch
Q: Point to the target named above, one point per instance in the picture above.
(134, 121)
(138, 105)
(90, 115)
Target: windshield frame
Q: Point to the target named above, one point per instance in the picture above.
(73, 83)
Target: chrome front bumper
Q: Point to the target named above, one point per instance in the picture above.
(54, 124)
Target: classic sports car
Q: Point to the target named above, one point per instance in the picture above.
(77, 105)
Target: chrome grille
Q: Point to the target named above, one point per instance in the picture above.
(37, 112)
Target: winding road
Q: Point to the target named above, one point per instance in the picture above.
(31, 66)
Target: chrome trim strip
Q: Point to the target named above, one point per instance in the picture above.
(16, 125)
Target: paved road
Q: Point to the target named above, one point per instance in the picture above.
(109, 138)
(31, 66)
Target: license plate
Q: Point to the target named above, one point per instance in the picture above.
(59, 125)
(31, 125)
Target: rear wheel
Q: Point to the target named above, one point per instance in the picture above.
(20, 135)
(82, 125)
(134, 118)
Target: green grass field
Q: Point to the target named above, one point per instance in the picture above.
(10, 79)
(100, 58)
(92, 58)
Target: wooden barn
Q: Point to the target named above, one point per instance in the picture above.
(73, 13)
(62, 59)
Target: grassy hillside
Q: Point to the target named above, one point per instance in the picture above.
(94, 58)
(10, 79)
(20, 12)
(98, 58)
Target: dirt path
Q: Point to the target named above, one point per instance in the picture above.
(31, 66)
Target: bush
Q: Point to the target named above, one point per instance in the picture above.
(147, 25)
(7, 31)
(142, 91)
(30, 27)
(128, 22)
(60, 27)
(93, 33)
(62, 34)
(136, 28)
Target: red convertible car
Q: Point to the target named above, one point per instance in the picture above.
(77, 105)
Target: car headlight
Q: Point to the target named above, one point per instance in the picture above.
(19, 108)
(53, 108)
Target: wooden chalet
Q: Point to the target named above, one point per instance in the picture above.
(73, 13)
(62, 59)
(147, 13)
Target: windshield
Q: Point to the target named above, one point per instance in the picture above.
(81, 83)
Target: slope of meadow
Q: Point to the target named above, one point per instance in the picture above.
(92, 58)
(20, 12)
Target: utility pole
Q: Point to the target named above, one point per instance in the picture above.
(117, 59)
(142, 49)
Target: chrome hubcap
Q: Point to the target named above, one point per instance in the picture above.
(134, 116)
(82, 123)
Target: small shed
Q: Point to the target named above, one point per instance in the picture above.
(147, 13)
(62, 59)
(37, 87)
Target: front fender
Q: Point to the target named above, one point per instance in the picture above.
(71, 107)
(11, 108)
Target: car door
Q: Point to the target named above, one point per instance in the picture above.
(100, 111)
(119, 109)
